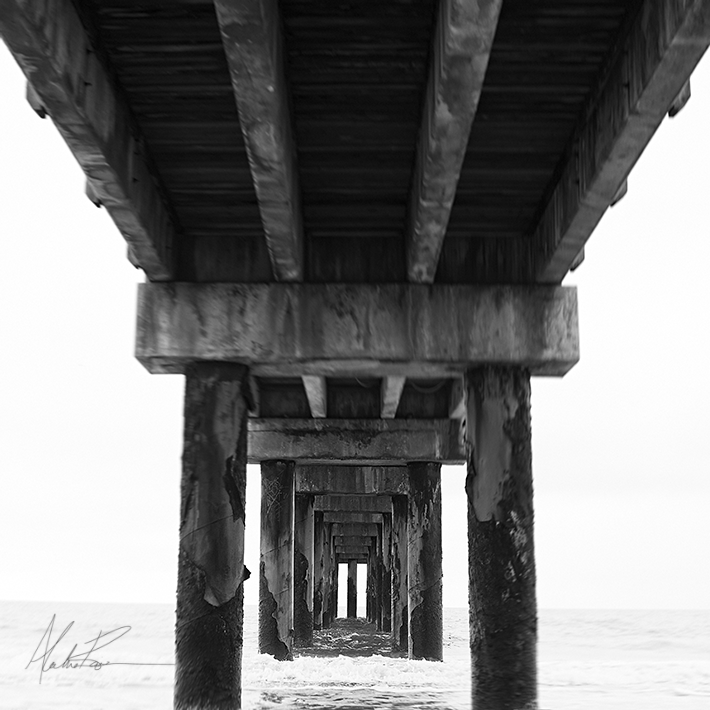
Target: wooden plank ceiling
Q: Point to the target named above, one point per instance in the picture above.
(356, 74)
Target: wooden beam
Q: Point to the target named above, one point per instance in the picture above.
(664, 44)
(463, 40)
(252, 38)
(353, 480)
(286, 330)
(390, 395)
(355, 441)
(70, 83)
(316, 392)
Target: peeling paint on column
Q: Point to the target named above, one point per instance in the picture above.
(503, 611)
(276, 562)
(211, 572)
(425, 574)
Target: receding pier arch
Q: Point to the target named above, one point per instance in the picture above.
(356, 284)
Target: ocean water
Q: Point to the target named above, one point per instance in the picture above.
(630, 660)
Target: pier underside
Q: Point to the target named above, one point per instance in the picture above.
(354, 220)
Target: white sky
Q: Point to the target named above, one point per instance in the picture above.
(90, 443)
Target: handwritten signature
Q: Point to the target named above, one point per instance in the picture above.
(46, 648)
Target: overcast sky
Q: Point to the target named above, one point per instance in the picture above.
(90, 442)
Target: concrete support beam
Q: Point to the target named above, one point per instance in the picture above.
(459, 59)
(316, 392)
(376, 442)
(353, 550)
(343, 505)
(400, 566)
(211, 572)
(358, 540)
(355, 529)
(276, 559)
(253, 44)
(352, 480)
(352, 589)
(381, 329)
(426, 628)
(349, 517)
(503, 612)
(71, 83)
(651, 66)
(390, 395)
(303, 571)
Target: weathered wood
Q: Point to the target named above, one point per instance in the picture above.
(276, 559)
(663, 46)
(394, 329)
(354, 508)
(461, 48)
(352, 480)
(253, 43)
(502, 611)
(424, 551)
(76, 89)
(352, 590)
(211, 571)
(400, 565)
(35, 101)
(303, 571)
(390, 394)
(353, 550)
(317, 395)
(367, 441)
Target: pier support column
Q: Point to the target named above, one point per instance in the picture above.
(211, 572)
(352, 589)
(303, 571)
(335, 571)
(400, 563)
(502, 611)
(328, 564)
(318, 569)
(426, 630)
(386, 543)
(276, 561)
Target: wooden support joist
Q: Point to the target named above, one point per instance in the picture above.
(353, 517)
(462, 45)
(390, 395)
(72, 85)
(316, 392)
(344, 506)
(285, 330)
(252, 37)
(354, 441)
(353, 480)
(664, 44)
